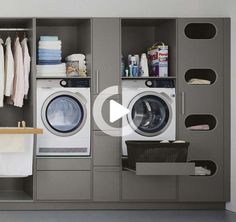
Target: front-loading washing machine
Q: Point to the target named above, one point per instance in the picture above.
(152, 106)
(63, 111)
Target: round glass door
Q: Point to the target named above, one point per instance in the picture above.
(150, 114)
(63, 114)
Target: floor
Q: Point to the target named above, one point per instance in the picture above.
(119, 215)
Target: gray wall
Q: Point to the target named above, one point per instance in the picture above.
(134, 8)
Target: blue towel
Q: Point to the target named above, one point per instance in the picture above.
(49, 58)
(49, 51)
(48, 38)
(49, 54)
(49, 62)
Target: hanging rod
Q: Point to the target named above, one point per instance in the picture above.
(14, 29)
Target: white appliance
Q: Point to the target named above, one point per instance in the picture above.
(63, 111)
(152, 108)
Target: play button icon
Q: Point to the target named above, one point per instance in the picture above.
(117, 111)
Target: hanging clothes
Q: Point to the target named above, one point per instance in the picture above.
(26, 64)
(18, 85)
(2, 74)
(9, 68)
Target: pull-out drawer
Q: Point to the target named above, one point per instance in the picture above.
(151, 188)
(63, 185)
(61, 163)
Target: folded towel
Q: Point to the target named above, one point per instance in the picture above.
(44, 58)
(201, 171)
(48, 38)
(51, 51)
(196, 81)
(58, 42)
(54, 47)
(75, 57)
(49, 54)
(58, 66)
(199, 127)
(48, 62)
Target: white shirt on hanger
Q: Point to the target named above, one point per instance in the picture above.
(9, 68)
(2, 74)
(19, 88)
(26, 64)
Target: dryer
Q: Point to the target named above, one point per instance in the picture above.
(63, 111)
(152, 106)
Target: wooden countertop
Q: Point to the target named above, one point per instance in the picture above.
(20, 130)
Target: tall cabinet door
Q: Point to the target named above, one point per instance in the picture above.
(200, 93)
(106, 53)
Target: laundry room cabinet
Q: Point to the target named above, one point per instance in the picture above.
(199, 48)
(203, 53)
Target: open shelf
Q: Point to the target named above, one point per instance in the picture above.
(63, 77)
(149, 77)
(75, 35)
(140, 34)
(14, 195)
(163, 169)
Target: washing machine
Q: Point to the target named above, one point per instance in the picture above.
(152, 106)
(63, 111)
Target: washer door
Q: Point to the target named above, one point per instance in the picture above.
(150, 113)
(64, 113)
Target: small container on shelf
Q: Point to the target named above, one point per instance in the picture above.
(76, 65)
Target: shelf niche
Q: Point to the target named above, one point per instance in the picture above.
(140, 34)
(200, 119)
(207, 164)
(200, 31)
(205, 74)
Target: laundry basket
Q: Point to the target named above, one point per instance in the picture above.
(16, 152)
(154, 151)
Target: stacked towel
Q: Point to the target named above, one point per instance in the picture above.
(49, 50)
(55, 70)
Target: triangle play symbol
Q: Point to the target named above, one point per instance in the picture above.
(117, 111)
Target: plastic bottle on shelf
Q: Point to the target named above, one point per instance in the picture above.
(144, 66)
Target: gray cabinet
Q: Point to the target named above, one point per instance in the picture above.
(106, 150)
(200, 54)
(63, 185)
(106, 184)
(106, 53)
(148, 188)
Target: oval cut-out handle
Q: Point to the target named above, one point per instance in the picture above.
(200, 31)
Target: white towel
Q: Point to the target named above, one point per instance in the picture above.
(49, 42)
(26, 63)
(196, 81)
(75, 57)
(2, 74)
(9, 68)
(19, 78)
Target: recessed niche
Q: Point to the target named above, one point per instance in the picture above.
(200, 122)
(204, 167)
(200, 31)
(200, 76)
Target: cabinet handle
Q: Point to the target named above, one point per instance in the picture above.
(182, 103)
(97, 82)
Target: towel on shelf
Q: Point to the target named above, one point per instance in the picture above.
(48, 38)
(201, 171)
(2, 73)
(44, 54)
(50, 43)
(52, 47)
(196, 81)
(199, 127)
(51, 70)
(48, 58)
(48, 62)
(50, 51)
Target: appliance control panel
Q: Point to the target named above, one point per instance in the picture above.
(75, 82)
(160, 83)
